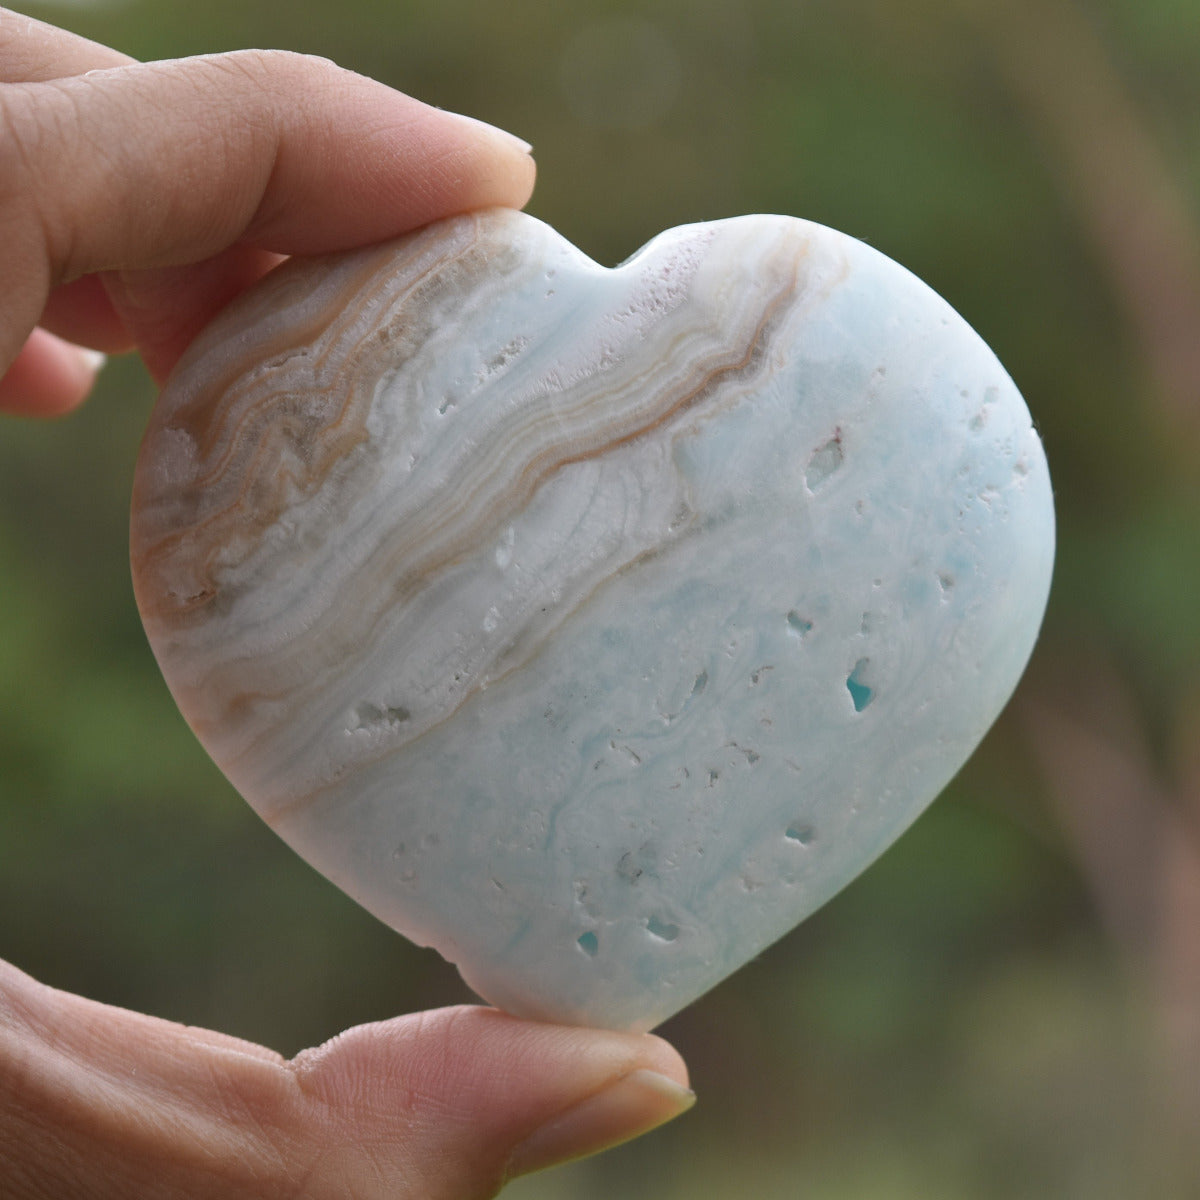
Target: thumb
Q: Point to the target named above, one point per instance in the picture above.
(454, 1102)
(447, 1105)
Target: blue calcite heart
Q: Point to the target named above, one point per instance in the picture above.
(592, 626)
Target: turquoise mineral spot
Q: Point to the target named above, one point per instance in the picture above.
(860, 693)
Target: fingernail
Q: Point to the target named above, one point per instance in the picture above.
(93, 360)
(633, 1105)
(499, 135)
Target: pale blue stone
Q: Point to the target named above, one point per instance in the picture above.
(652, 710)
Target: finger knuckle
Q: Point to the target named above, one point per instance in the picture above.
(17, 131)
(36, 128)
(271, 68)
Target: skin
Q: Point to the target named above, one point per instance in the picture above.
(135, 201)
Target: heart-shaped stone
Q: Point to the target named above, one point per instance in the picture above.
(592, 626)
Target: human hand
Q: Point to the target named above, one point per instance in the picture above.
(97, 1103)
(134, 202)
(137, 199)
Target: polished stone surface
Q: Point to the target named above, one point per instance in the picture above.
(592, 626)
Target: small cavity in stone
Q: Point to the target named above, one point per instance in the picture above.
(589, 943)
(370, 715)
(797, 624)
(665, 931)
(860, 693)
(825, 460)
(801, 833)
(628, 869)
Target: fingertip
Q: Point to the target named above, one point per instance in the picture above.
(662, 1057)
(624, 1109)
(393, 162)
(424, 164)
(92, 361)
(488, 167)
(49, 377)
(507, 143)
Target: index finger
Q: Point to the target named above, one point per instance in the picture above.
(33, 52)
(172, 163)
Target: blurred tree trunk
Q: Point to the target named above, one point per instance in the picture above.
(1135, 830)
(1129, 200)
(1132, 821)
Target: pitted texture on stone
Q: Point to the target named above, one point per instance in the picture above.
(592, 626)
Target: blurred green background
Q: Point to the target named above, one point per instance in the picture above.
(1008, 1004)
